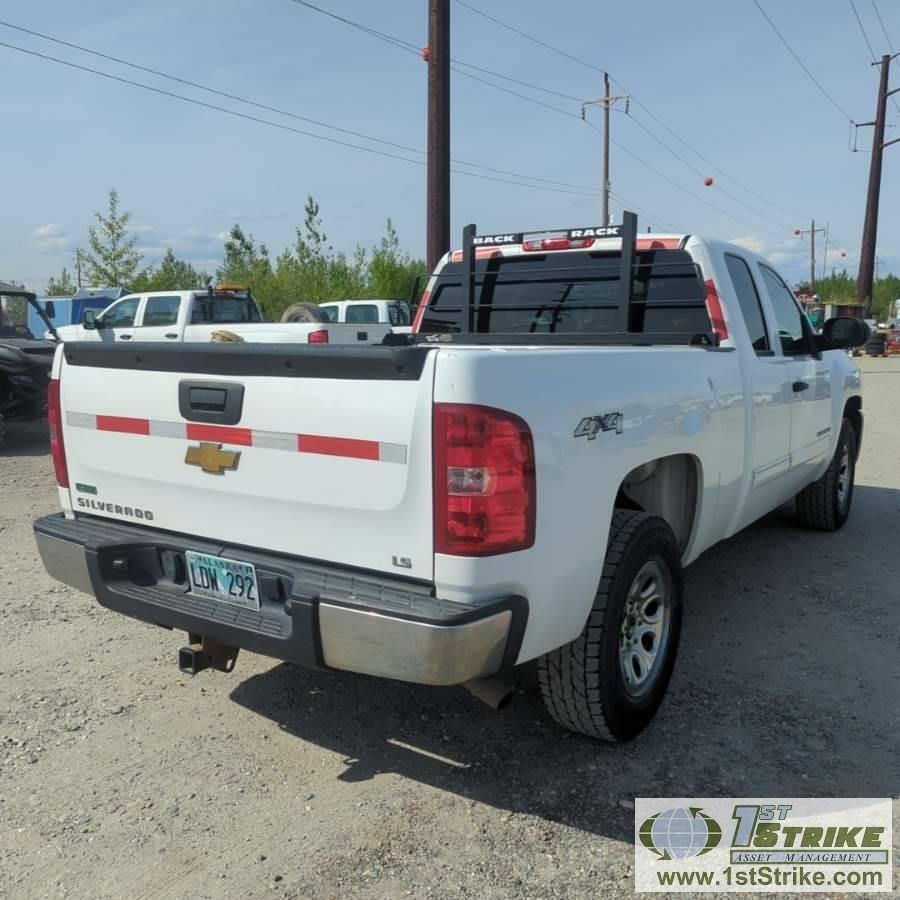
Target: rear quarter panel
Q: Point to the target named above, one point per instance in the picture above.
(673, 401)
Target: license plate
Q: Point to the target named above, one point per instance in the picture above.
(225, 580)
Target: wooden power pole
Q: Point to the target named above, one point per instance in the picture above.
(870, 227)
(438, 58)
(812, 231)
(607, 102)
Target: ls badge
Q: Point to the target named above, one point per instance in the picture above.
(212, 458)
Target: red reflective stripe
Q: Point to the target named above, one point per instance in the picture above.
(714, 308)
(123, 424)
(657, 243)
(220, 433)
(332, 446)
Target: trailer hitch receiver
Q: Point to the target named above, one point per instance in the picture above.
(205, 653)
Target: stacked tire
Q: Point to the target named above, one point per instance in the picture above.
(876, 345)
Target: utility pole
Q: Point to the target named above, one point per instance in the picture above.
(870, 227)
(437, 56)
(78, 267)
(607, 102)
(811, 231)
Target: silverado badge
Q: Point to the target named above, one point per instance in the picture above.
(212, 458)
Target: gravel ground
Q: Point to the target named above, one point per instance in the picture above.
(119, 777)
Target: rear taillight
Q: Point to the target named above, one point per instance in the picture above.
(57, 448)
(714, 309)
(318, 337)
(484, 482)
(420, 312)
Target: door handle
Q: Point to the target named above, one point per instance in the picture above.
(124, 337)
(800, 386)
(171, 335)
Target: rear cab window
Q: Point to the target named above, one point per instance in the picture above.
(161, 310)
(398, 313)
(577, 292)
(748, 298)
(223, 309)
(364, 313)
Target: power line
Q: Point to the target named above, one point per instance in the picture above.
(635, 100)
(541, 103)
(887, 37)
(587, 192)
(802, 64)
(285, 112)
(881, 23)
(684, 190)
(700, 174)
(863, 30)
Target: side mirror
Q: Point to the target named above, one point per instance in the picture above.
(845, 332)
(89, 320)
(49, 310)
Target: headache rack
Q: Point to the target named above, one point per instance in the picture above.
(622, 333)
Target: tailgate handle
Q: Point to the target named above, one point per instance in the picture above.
(219, 402)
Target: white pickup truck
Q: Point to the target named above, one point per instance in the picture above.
(578, 418)
(193, 316)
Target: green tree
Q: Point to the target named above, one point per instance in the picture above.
(248, 265)
(172, 275)
(62, 286)
(113, 259)
(392, 273)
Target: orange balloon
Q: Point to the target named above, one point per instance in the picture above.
(708, 182)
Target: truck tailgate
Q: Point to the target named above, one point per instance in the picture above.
(318, 452)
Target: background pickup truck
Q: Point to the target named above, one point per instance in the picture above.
(192, 316)
(578, 418)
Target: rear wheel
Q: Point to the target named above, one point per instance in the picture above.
(609, 682)
(2, 428)
(825, 504)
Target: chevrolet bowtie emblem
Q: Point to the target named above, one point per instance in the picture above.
(212, 458)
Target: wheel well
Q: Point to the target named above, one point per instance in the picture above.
(667, 487)
(853, 412)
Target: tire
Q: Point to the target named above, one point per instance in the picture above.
(303, 312)
(2, 429)
(583, 684)
(825, 504)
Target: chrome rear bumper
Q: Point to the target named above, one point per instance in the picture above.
(313, 614)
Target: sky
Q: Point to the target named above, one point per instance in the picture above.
(713, 72)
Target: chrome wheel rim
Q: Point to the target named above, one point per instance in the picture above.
(843, 479)
(644, 633)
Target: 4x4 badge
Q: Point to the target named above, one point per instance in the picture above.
(590, 425)
(212, 458)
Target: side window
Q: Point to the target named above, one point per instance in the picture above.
(366, 313)
(751, 308)
(161, 311)
(121, 314)
(398, 313)
(787, 314)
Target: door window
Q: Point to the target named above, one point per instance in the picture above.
(787, 314)
(161, 311)
(121, 314)
(751, 308)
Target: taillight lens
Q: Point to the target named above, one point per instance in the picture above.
(420, 312)
(57, 448)
(484, 481)
(714, 308)
(318, 337)
(557, 244)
